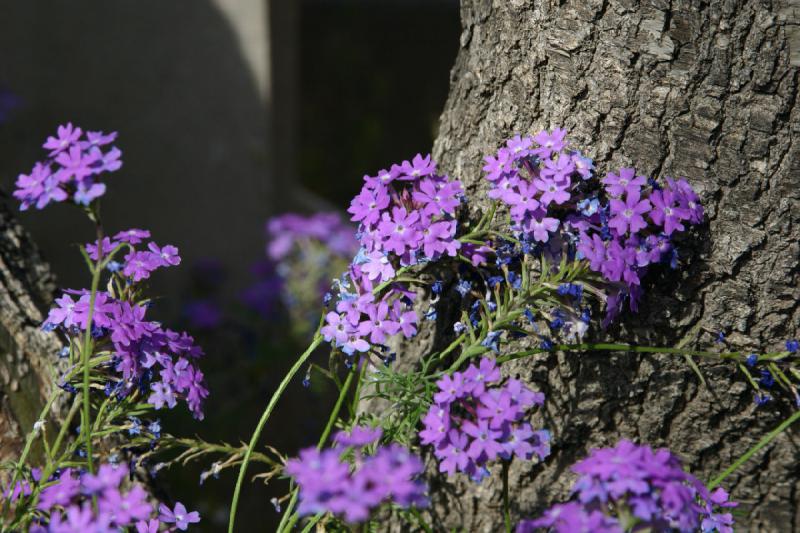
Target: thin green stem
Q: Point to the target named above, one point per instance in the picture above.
(262, 422)
(288, 515)
(86, 351)
(769, 437)
(588, 346)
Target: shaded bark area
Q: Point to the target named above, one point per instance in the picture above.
(706, 90)
(26, 352)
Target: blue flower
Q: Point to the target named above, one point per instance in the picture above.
(792, 346)
(751, 361)
(436, 288)
(463, 287)
(766, 379)
(494, 280)
(529, 315)
(491, 341)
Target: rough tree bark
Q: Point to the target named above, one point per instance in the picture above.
(706, 90)
(26, 352)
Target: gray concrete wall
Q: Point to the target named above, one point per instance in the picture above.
(185, 82)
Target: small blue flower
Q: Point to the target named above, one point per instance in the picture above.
(458, 327)
(766, 379)
(327, 299)
(463, 287)
(546, 344)
(491, 341)
(792, 346)
(63, 352)
(494, 280)
(436, 288)
(720, 337)
(751, 360)
(114, 266)
(431, 313)
(155, 428)
(136, 426)
(515, 280)
(529, 315)
(761, 399)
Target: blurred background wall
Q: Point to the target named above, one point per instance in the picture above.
(229, 111)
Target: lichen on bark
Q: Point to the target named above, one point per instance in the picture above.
(27, 354)
(705, 90)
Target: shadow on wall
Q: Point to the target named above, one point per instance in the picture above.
(173, 79)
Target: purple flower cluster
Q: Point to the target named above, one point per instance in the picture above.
(476, 419)
(68, 501)
(71, 170)
(649, 484)
(329, 482)
(327, 228)
(406, 216)
(304, 252)
(148, 357)
(620, 224)
(407, 211)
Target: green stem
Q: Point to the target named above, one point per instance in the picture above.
(769, 437)
(288, 516)
(264, 417)
(588, 346)
(86, 425)
(506, 506)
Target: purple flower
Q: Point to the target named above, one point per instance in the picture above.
(399, 231)
(418, 167)
(666, 211)
(66, 137)
(178, 516)
(76, 163)
(162, 395)
(541, 229)
(570, 518)
(549, 143)
(378, 268)
(329, 484)
(498, 167)
(476, 419)
(552, 191)
(166, 256)
(123, 509)
(61, 492)
(139, 265)
(626, 182)
(359, 436)
(149, 526)
(132, 236)
(651, 483)
(366, 207)
(628, 214)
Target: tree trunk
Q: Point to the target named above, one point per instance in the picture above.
(706, 90)
(27, 354)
